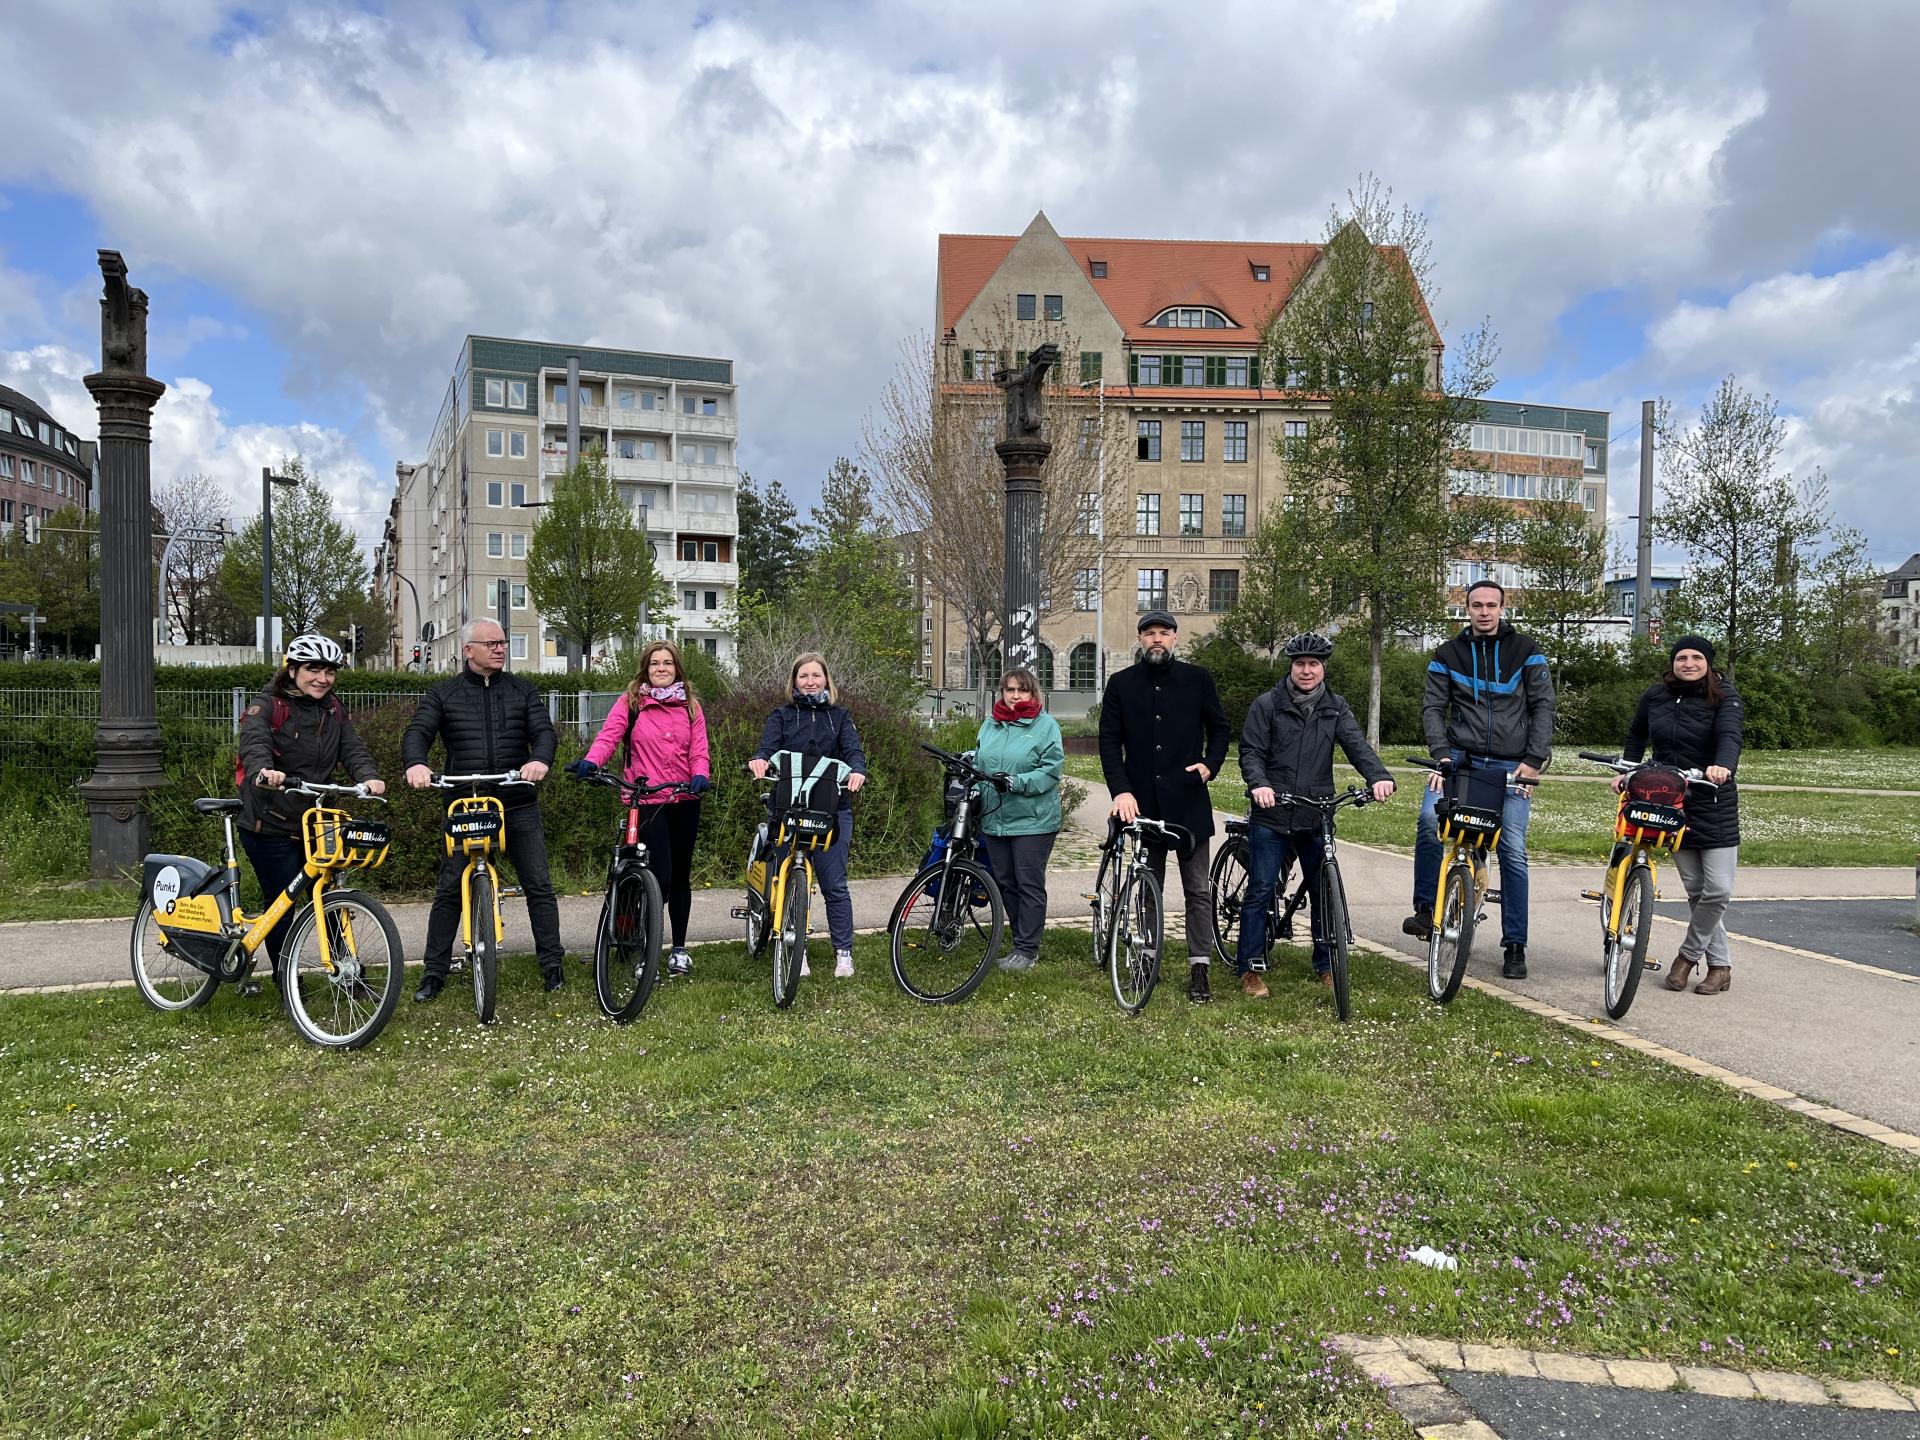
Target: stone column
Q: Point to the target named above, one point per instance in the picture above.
(127, 739)
(1020, 618)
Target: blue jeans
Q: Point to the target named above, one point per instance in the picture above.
(830, 869)
(1273, 852)
(1427, 853)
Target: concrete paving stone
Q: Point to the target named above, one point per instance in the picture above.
(1899, 1141)
(1710, 1380)
(1463, 1430)
(1760, 1090)
(1497, 1359)
(1365, 1344)
(1643, 1374)
(1582, 1369)
(1795, 1389)
(1868, 1395)
(1439, 1354)
(1395, 1370)
(1421, 1405)
(1872, 1129)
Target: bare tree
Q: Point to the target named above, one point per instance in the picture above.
(930, 442)
(198, 610)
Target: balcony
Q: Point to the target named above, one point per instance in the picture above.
(701, 572)
(592, 417)
(632, 417)
(651, 472)
(1217, 545)
(723, 427)
(705, 522)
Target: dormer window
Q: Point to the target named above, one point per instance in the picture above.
(1099, 269)
(1262, 272)
(1189, 317)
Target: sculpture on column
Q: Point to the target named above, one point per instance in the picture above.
(1022, 454)
(1023, 387)
(123, 320)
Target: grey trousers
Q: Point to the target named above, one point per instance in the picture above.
(1020, 867)
(1708, 878)
(1197, 886)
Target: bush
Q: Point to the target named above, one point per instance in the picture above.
(1779, 712)
(1896, 706)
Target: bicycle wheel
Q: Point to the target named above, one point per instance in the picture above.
(1229, 889)
(1627, 946)
(1134, 950)
(343, 1008)
(790, 936)
(1106, 899)
(164, 977)
(486, 947)
(1452, 939)
(943, 943)
(1332, 901)
(626, 951)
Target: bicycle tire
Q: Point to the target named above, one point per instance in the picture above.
(165, 981)
(932, 929)
(1106, 896)
(626, 949)
(486, 948)
(1227, 887)
(1333, 924)
(790, 936)
(1451, 943)
(364, 986)
(1138, 942)
(1627, 944)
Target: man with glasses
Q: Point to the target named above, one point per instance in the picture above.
(488, 721)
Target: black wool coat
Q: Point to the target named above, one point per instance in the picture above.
(1690, 734)
(1155, 723)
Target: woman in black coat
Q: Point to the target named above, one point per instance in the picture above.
(1692, 719)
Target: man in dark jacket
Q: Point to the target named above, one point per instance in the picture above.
(1488, 709)
(1163, 736)
(489, 721)
(1286, 748)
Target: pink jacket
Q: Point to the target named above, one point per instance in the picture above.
(669, 743)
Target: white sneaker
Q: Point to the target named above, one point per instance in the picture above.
(805, 969)
(843, 964)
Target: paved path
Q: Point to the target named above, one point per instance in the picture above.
(1519, 1408)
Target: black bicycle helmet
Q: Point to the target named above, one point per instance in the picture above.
(1309, 646)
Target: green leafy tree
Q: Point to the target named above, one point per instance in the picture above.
(1564, 558)
(1370, 479)
(319, 574)
(771, 554)
(590, 569)
(1279, 596)
(59, 575)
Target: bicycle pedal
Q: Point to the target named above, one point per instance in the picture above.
(1591, 895)
(739, 912)
(1493, 897)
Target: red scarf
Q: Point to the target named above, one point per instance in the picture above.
(1025, 708)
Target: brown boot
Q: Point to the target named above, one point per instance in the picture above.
(1326, 979)
(1678, 973)
(1719, 977)
(1252, 986)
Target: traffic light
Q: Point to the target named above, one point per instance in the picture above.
(416, 654)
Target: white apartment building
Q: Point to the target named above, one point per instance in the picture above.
(515, 410)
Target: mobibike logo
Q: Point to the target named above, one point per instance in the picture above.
(166, 889)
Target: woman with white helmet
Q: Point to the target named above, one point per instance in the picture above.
(296, 728)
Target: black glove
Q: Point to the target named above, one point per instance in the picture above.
(699, 784)
(582, 768)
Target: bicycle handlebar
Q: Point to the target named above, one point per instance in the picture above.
(1627, 767)
(632, 791)
(1351, 796)
(294, 785)
(996, 778)
(1448, 768)
(450, 782)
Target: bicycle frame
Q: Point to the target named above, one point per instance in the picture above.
(475, 823)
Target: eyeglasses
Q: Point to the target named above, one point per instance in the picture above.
(489, 644)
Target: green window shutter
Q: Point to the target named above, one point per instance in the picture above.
(1253, 371)
(1216, 369)
(966, 364)
(1090, 363)
(1169, 369)
(1133, 369)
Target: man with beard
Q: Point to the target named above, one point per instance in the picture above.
(1163, 736)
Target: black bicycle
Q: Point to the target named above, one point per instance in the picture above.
(945, 927)
(1330, 894)
(626, 943)
(1228, 883)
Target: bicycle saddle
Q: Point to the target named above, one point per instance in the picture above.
(215, 804)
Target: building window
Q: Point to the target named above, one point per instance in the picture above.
(519, 597)
(1193, 369)
(1191, 318)
(6, 467)
(518, 547)
(496, 392)
(517, 400)
(517, 494)
(496, 544)
(1086, 522)
(496, 442)
(496, 494)
(1146, 515)
(1024, 307)
(1150, 590)
(1090, 362)
(1193, 440)
(517, 444)
(1223, 590)
(1055, 308)
(1593, 455)
(559, 395)
(519, 647)
(689, 550)
(624, 449)
(1086, 588)
(1261, 273)
(1233, 514)
(713, 599)
(1082, 671)
(1193, 514)
(1590, 496)
(649, 449)
(1234, 448)
(1237, 371)
(689, 600)
(710, 551)
(1099, 269)
(1149, 446)
(1296, 430)
(1146, 369)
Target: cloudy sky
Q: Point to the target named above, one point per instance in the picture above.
(322, 199)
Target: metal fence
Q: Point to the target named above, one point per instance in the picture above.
(51, 731)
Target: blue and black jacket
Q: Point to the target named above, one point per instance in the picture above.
(1490, 695)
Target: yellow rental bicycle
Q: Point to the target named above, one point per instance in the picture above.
(1469, 833)
(1650, 821)
(339, 979)
(804, 799)
(477, 828)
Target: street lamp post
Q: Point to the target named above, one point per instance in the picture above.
(193, 534)
(267, 481)
(127, 740)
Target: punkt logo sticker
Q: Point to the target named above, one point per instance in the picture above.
(166, 889)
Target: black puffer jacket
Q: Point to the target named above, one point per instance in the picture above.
(1490, 695)
(1294, 754)
(1689, 733)
(312, 742)
(487, 724)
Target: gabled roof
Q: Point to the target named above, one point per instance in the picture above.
(1145, 277)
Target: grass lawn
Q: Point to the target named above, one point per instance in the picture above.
(1023, 1216)
(1575, 821)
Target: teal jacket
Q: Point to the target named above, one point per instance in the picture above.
(1031, 753)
